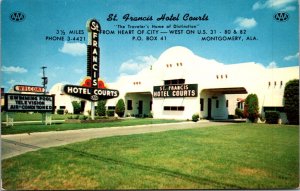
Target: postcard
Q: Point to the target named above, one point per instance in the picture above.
(138, 79)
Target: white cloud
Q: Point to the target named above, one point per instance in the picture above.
(258, 5)
(272, 65)
(292, 57)
(11, 82)
(74, 49)
(137, 64)
(14, 82)
(13, 69)
(275, 4)
(288, 8)
(245, 22)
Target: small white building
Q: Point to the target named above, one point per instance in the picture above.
(180, 84)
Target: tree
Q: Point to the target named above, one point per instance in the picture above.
(76, 107)
(120, 108)
(101, 109)
(251, 110)
(291, 101)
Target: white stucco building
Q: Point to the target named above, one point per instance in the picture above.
(180, 84)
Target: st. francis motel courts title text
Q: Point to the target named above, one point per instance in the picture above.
(162, 17)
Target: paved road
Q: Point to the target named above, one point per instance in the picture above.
(13, 145)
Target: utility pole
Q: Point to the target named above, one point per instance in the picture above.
(44, 79)
(44, 83)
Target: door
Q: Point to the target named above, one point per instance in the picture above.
(209, 108)
(140, 108)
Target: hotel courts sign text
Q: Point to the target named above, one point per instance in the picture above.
(180, 90)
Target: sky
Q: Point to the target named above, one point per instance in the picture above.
(29, 44)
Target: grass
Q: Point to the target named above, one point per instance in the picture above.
(30, 128)
(240, 156)
(18, 116)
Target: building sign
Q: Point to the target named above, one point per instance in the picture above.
(180, 90)
(92, 88)
(93, 94)
(93, 51)
(29, 102)
(25, 88)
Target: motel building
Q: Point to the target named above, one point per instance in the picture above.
(181, 83)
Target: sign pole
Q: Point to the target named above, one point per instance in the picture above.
(93, 110)
(44, 82)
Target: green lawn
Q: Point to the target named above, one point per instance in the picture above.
(30, 117)
(239, 156)
(29, 128)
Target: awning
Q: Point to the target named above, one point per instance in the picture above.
(240, 99)
(235, 90)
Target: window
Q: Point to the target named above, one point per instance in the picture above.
(180, 108)
(217, 103)
(226, 103)
(167, 108)
(111, 107)
(202, 104)
(279, 109)
(181, 81)
(129, 104)
(174, 108)
(175, 81)
(62, 107)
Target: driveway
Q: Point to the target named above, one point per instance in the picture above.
(13, 145)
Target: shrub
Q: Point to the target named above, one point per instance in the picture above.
(291, 101)
(83, 117)
(251, 110)
(272, 117)
(110, 113)
(60, 111)
(120, 108)
(76, 107)
(76, 117)
(239, 113)
(195, 117)
(233, 117)
(101, 109)
(150, 115)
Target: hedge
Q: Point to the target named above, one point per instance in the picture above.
(291, 101)
(60, 111)
(110, 113)
(251, 110)
(272, 117)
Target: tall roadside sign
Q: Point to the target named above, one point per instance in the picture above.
(92, 88)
